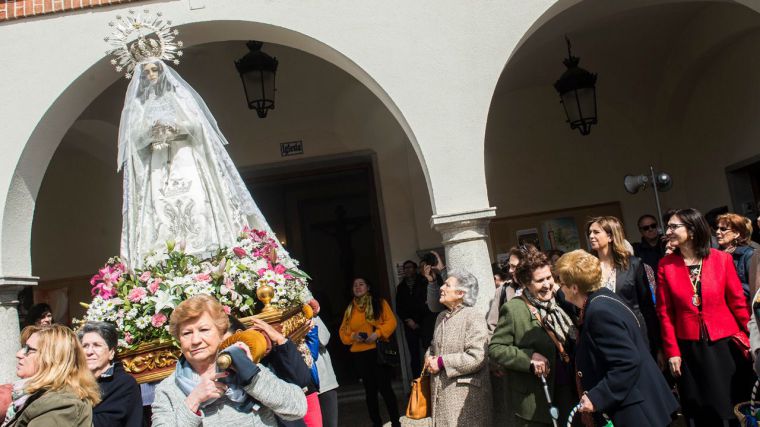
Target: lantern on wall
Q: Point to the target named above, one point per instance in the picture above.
(577, 91)
(257, 71)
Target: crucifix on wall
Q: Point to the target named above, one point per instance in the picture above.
(341, 229)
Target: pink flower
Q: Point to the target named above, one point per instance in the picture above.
(158, 320)
(153, 287)
(280, 269)
(128, 337)
(104, 290)
(227, 310)
(137, 294)
(240, 252)
(202, 277)
(145, 276)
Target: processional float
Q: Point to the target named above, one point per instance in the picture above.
(190, 226)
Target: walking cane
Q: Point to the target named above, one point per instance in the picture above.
(553, 411)
(572, 415)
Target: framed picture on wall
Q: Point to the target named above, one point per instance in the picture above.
(561, 234)
(529, 236)
(561, 229)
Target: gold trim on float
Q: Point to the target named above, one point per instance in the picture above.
(155, 360)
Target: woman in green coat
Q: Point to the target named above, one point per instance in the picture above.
(59, 389)
(528, 350)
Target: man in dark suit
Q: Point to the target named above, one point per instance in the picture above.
(411, 294)
(651, 248)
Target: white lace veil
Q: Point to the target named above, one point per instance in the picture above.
(184, 106)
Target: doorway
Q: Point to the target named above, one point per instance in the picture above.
(327, 217)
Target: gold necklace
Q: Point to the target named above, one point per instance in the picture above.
(696, 299)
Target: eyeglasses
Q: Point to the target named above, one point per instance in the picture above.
(674, 226)
(724, 229)
(648, 227)
(27, 350)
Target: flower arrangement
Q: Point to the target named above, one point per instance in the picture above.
(140, 302)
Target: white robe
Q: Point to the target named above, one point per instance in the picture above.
(179, 183)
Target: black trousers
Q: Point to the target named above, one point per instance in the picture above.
(413, 342)
(328, 402)
(376, 378)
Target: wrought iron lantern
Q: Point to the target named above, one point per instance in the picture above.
(577, 91)
(257, 71)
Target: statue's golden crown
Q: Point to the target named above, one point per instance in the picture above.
(155, 41)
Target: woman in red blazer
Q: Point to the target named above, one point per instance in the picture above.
(701, 304)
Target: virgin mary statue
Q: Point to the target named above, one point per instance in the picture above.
(180, 185)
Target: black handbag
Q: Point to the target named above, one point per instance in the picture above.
(387, 352)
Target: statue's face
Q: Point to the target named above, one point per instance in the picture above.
(151, 71)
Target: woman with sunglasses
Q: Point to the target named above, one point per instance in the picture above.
(702, 308)
(733, 234)
(60, 390)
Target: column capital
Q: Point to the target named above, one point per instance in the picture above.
(457, 218)
(463, 226)
(10, 286)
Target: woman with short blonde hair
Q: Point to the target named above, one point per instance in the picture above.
(62, 391)
(195, 394)
(194, 308)
(616, 376)
(581, 268)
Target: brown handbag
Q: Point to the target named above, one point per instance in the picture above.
(419, 399)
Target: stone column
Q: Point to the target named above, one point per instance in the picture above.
(464, 237)
(9, 327)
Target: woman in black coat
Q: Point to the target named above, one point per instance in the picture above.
(121, 401)
(624, 275)
(619, 377)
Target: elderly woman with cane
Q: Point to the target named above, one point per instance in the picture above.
(460, 383)
(618, 375)
(530, 343)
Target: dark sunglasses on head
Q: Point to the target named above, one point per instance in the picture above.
(724, 229)
(648, 227)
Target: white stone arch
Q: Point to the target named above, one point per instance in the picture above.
(559, 7)
(95, 78)
(688, 52)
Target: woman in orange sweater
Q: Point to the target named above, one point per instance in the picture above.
(369, 318)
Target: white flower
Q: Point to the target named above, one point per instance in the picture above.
(234, 270)
(258, 264)
(245, 278)
(163, 299)
(142, 322)
(156, 258)
(131, 314)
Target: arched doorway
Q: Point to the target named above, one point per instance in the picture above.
(676, 90)
(356, 158)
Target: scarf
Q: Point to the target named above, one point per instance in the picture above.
(364, 303)
(553, 316)
(187, 380)
(19, 397)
